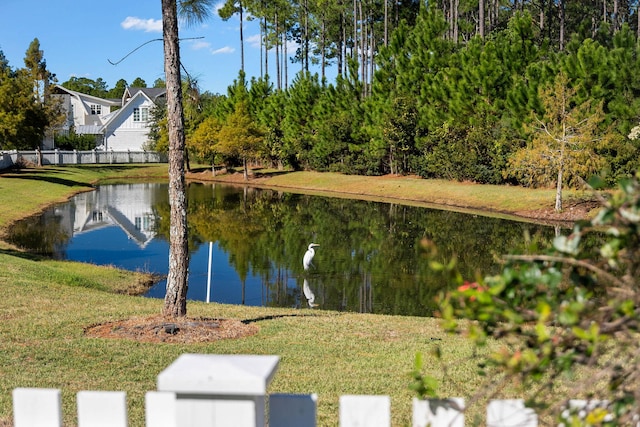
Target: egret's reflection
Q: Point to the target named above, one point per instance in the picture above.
(308, 293)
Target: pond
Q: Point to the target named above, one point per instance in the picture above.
(247, 245)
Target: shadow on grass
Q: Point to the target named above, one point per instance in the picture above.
(24, 255)
(46, 174)
(253, 173)
(278, 316)
(258, 174)
(50, 179)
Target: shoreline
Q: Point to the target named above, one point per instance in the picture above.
(575, 209)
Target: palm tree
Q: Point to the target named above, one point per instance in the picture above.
(175, 301)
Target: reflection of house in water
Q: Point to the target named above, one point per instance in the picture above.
(119, 205)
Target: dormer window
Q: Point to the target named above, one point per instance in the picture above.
(96, 109)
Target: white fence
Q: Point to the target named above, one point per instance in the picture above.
(62, 157)
(200, 390)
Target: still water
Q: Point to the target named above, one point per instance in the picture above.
(247, 245)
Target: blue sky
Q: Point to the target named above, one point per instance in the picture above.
(79, 38)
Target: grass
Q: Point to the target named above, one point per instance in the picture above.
(436, 191)
(505, 201)
(28, 191)
(46, 305)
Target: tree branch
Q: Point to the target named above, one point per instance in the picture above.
(570, 261)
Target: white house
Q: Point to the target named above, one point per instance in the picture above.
(117, 124)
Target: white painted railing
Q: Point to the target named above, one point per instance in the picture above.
(200, 390)
(73, 157)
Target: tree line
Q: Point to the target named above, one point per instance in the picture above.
(26, 110)
(531, 94)
(534, 93)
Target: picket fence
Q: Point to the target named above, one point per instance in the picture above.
(74, 157)
(199, 390)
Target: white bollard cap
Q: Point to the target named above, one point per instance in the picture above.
(213, 374)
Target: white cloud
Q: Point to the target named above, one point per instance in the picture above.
(199, 44)
(254, 41)
(147, 25)
(226, 49)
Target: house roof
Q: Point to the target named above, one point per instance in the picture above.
(124, 110)
(89, 129)
(61, 90)
(153, 93)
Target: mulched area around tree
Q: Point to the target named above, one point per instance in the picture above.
(157, 329)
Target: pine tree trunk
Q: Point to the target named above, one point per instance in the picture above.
(306, 36)
(323, 64)
(241, 38)
(266, 48)
(277, 45)
(481, 18)
(455, 13)
(175, 301)
(284, 60)
(362, 46)
(354, 49)
(562, 24)
(341, 42)
(386, 22)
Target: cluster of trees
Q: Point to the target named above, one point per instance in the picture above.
(537, 98)
(100, 88)
(25, 108)
(330, 32)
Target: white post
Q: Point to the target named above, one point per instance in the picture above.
(102, 408)
(438, 412)
(219, 390)
(510, 413)
(209, 273)
(37, 407)
(160, 409)
(361, 411)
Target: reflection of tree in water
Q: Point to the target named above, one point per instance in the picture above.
(42, 234)
(370, 258)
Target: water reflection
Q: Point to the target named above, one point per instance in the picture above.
(308, 294)
(246, 245)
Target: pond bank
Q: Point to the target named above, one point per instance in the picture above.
(493, 200)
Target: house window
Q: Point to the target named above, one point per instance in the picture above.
(141, 114)
(96, 109)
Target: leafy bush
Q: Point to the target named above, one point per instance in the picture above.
(570, 309)
(74, 141)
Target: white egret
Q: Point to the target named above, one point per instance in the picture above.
(308, 256)
(308, 293)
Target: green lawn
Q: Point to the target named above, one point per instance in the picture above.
(47, 304)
